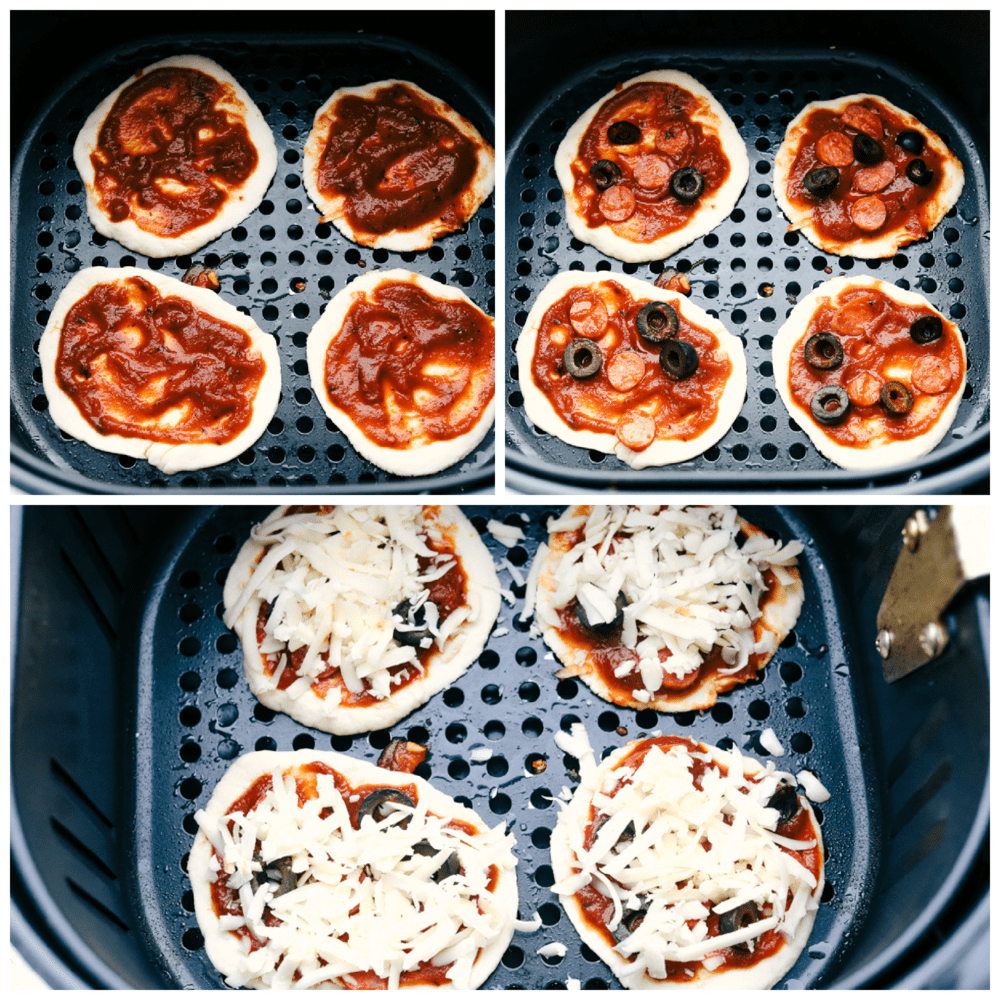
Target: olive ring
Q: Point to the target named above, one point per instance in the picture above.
(687, 185)
(582, 358)
(824, 351)
(657, 321)
(821, 406)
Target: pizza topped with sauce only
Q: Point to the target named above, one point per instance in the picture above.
(663, 607)
(872, 373)
(312, 870)
(684, 866)
(651, 167)
(393, 167)
(351, 617)
(860, 177)
(176, 156)
(618, 365)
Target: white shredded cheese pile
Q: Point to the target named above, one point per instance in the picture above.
(367, 884)
(332, 583)
(685, 860)
(688, 584)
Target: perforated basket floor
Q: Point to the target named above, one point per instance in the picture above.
(194, 714)
(750, 270)
(282, 268)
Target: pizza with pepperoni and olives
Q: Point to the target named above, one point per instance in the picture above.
(313, 870)
(664, 607)
(684, 866)
(615, 364)
(860, 177)
(872, 373)
(651, 167)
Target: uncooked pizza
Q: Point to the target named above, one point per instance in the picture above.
(403, 365)
(312, 870)
(663, 607)
(860, 177)
(351, 617)
(684, 866)
(651, 167)
(873, 374)
(393, 167)
(176, 156)
(141, 364)
(615, 364)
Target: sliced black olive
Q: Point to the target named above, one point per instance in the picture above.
(824, 351)
(629, 923)
(736, 919)
(277, 872)
(623, 134)
(410, 637)
(626, 835)
(582, 358)
(926, 330)
(687, 185)
(449, 867)
(657, 321)
(616, 623)
(829, 404)
(912, 142)
(895, 399)
(821, 181)
(867, 150)
(678, 359)
(785, 801)
(917, 171)
(374, 804)
(606, 174)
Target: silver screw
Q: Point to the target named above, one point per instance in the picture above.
(933, 638)
(883, 643)
(915, 526)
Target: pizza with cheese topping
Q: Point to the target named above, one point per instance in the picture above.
(663, 607)
(312, 870)
(686, 866)
(351, 617)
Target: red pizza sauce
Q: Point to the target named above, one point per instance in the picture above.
(643, 207)
(874, 330)
(907, 205)
(128, 355)
(169, 154)
(396, 161)
(375, 366)
(681, 409)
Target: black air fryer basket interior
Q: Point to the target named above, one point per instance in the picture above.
(129, 703)
(283, 266)
(749, 271)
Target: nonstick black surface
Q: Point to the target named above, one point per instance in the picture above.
(194, 714)
(277, 249)
(750, 270)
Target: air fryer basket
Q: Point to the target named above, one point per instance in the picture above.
(281, 265)
(750, 270)
(129, 702)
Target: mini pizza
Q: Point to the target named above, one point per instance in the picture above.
(393, 167)
(860, 177)
(651, 167)
(176, 156)
(137, 363)
(312, 870)
(873, 374)
(663, 607)
(352, 617)
(615, 364)
(403, 365)
(684, 866)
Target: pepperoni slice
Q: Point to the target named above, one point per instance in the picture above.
(588, 317)
(651, 172)
(931, 375)
(863, 120)
(835, 149)
(626, 370)
(671, 682)
(869, 213)
(673, 139)
(617, 203)
(636, 431)
(864, 389)
(872, 179)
